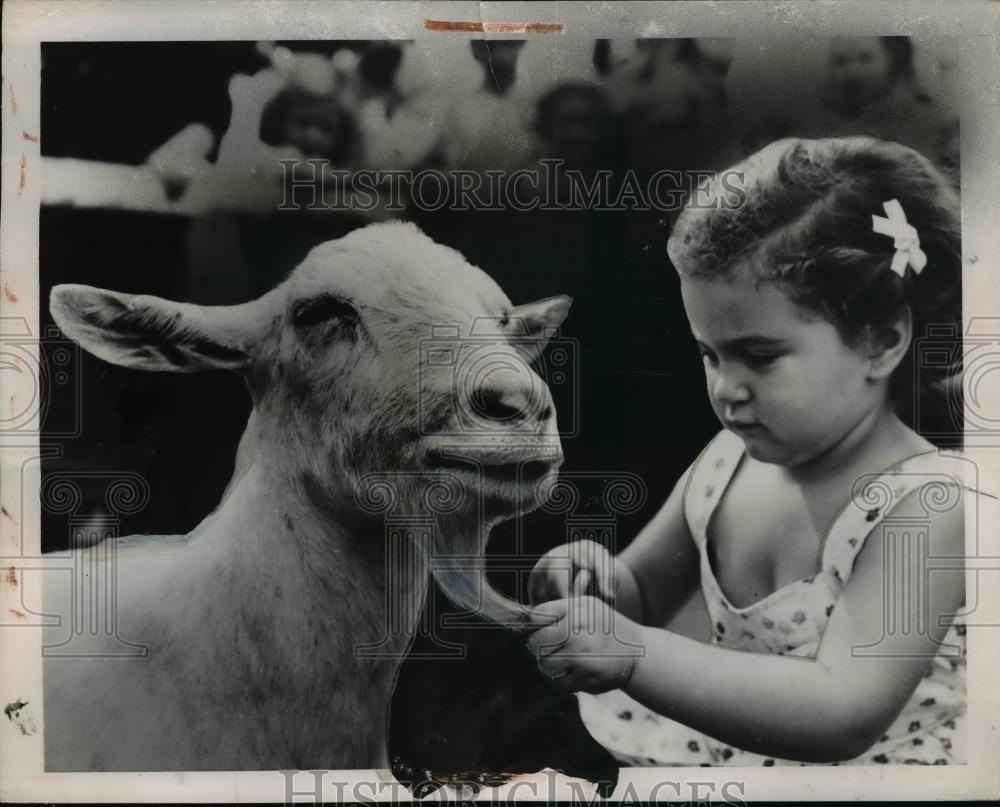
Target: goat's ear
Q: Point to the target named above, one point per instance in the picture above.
(150, 333)
(535, 323)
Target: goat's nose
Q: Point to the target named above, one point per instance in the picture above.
(505, 404)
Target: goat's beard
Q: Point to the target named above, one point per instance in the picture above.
(451, 522)
(456, 556)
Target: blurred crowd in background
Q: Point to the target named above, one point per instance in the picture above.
(646, 104)
(183, 111)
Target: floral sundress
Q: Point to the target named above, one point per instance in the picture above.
(791, 621)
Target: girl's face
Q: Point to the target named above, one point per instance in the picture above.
(778, 374)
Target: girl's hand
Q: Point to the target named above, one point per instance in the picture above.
(591, 647)
(573, 569)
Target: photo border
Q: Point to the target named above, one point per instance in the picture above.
(27, 23)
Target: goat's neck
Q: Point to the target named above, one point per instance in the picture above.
(307, 588)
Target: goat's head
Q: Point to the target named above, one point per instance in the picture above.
(381, 352)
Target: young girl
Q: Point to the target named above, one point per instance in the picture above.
(809, 520)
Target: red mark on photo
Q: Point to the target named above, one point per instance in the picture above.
(29, 137)
(8, 293)
(495, 27)
(11, 577)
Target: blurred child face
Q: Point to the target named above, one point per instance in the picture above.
(778, 374)
(311, 124)
(859, 69)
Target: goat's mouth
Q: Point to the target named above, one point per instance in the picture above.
(527, 470)
(499, 472)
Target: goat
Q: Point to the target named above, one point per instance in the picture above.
(253, 619)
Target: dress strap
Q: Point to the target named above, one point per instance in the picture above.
(940, 479)
(710, 474)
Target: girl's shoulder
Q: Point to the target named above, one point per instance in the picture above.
(935, 486)
(937, 475)
(710, 473)
(725, 449)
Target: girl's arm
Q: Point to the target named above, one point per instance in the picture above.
(658, 571)
(836, 706)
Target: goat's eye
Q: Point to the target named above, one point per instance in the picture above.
(317, 310)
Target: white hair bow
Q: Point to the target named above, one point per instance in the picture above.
(907, 242)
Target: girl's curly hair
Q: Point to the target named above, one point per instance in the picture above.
(804, 221)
